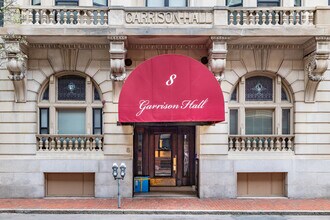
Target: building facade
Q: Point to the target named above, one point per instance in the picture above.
(64, 65)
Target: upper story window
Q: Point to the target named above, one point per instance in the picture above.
(36, 2)
(297, 3)
(234, 3)
(167, 3)
(260, 105)
(259, 88)
(70, 104)
(100, 2)
(1, 14)
(67, 2)
(71, 88)
(267, 3)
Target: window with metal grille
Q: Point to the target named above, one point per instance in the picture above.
(71, 88)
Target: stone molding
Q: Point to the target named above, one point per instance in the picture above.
(167, 46)
(217, 56)
(69, 58)
(265, 46)
(316, 63)
(69, 46)
(117, 57)
(16, 63)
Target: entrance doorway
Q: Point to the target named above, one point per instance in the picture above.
(166, 155)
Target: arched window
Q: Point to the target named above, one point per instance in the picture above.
(260, 105)
(70, 104)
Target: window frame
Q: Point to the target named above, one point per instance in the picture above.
(54, 105)
(67, 2)
(278, 2)
(277, 105)
(35, 4)
(100, 5)
(166, 4)
(40, 121)
(296, 5)
(235, 5)
(101, 120)
(1, 14)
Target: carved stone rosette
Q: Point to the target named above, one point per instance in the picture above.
(217, 56)
(14, 47)
(117, 58)
(316, 63)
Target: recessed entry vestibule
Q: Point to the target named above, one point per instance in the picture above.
(166, 155)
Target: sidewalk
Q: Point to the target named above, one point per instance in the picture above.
(168, 206)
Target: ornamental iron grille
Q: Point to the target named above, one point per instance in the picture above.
(259, 88)
(71, 88)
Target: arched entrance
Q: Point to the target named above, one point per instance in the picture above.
(165, 98)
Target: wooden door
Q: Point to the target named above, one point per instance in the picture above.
(165, 154)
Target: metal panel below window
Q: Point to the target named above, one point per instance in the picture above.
(70, 184)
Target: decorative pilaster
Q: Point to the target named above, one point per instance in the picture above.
(117, 57)
(14, 50)
(217, 56)
(316, 63)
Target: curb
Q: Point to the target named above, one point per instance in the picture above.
(163, 212)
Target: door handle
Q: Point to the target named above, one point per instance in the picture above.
(174, 164)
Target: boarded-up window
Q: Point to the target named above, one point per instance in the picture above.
(70, 184)
(260, 184)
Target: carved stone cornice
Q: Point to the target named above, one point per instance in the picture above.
(15, 51)
(69, 46)
(316, 63)
(117, 38)
(264, 46)
(217, 56)
(167, 46)
(117, 57)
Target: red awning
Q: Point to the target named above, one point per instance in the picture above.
(171, 88)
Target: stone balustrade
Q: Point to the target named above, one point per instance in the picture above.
(64, 16)
(236, 17)
(64, 143)
(270, 16)
(279, 143)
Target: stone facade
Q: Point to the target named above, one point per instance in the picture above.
(39, 48)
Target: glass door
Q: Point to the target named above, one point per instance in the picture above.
(165, 154)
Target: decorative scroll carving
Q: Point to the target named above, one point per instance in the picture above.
(117, 58)
(13, 47)
(316, 63)
(217, 56)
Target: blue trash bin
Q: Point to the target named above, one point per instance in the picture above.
(141, 184)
